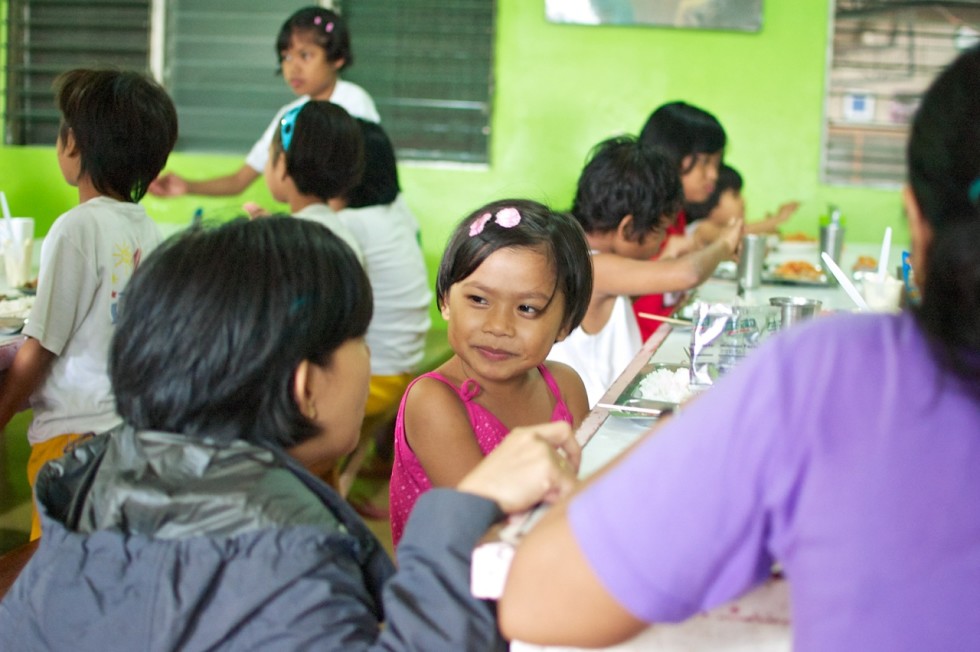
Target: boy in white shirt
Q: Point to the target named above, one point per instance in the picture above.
(117, 130)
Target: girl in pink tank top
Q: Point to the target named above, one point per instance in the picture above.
(515, 278)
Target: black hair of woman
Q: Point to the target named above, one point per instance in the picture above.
(325, 153)
(622, 177)
(250, 301)
(123, 124)
(328, 29)
(379, 184)
(944, 178)
(557, 235)
(683, 130)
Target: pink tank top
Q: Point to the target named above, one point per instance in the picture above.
(408, 478)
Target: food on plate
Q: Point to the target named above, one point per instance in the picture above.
(798, 269)
(18, 307)
(797, 237)
(866, 264)
(669, 385)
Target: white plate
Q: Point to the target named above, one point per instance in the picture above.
(796, 247)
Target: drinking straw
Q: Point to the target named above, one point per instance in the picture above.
(6, 214)
(886, 249)
(844, 281)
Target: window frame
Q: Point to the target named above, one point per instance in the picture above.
(881, 56)
(431, 113)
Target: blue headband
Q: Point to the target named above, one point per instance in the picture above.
(974, 192)
(287, 126)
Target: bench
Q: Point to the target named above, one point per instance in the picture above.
(436, 351)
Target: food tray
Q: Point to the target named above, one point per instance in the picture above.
(627, 405)
(768, 276)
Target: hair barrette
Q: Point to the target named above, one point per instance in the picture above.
(317, 20)
(287, 126)
(506, 217)
(973, 194)
(329, 27)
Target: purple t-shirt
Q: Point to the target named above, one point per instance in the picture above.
(840, 450)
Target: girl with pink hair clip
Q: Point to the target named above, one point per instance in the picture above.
(515, 279)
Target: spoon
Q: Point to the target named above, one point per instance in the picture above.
(845, 282)
(886, 249)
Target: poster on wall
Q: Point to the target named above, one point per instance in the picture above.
(739, 15)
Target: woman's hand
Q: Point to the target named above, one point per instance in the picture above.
(531, 465)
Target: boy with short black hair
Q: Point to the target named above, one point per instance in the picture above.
(626, 197)
(117, 130)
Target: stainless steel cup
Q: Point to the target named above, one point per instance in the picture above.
(832, 240)
(795, 309)
(750, 261)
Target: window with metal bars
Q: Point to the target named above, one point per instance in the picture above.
(427, 64)
(884, 53)
(46, 38)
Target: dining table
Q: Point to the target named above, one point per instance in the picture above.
(760, 620)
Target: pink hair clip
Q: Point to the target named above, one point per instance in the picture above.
(317, 20)
(329, 27)
(506, 217)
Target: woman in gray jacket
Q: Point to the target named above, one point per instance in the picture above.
(238, 360)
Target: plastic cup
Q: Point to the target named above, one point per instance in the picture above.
(883, 293)
(18, 250)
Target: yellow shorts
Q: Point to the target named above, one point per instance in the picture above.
(385, 394)
(41, 454)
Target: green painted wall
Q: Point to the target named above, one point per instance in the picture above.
(562, 88)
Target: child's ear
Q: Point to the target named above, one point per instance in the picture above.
(337, 64)
(69, 145)
(624, 230)
(562, 334)
(444, 309)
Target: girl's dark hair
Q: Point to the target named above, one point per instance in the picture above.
(215, 321)
(683, 130)
(326, 27)
(124, 125)
(728, 179)
(326, 154)
(944, 174)
(622, 178)
(379, 184)
(556, 234)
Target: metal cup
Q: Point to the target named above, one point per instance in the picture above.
(832, 240)
(750, 261)
(793, 310)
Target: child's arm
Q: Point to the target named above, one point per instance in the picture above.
(572, 390)
(439, 432)
(30, 367)
(772, 222)
(172, 185)
(618, 275)
(678, 245)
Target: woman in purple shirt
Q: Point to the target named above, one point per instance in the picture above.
(847, 450)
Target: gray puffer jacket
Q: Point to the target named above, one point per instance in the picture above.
(156, 541)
